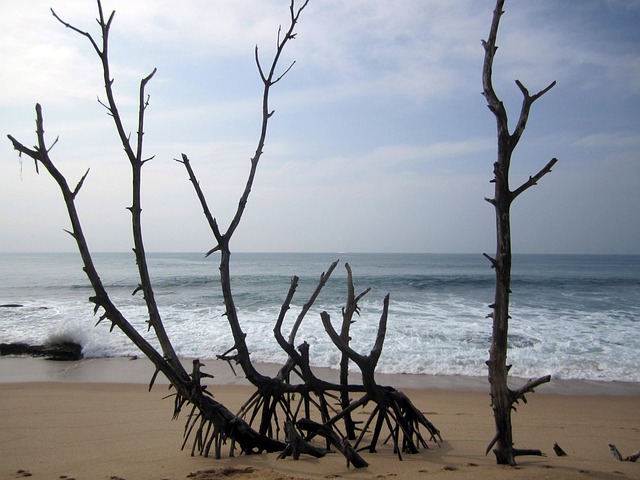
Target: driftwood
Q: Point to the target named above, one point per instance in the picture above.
(209, 423)
(271, 404)
(393, 409)
(401, 418)
(341, 444)
(276, 394)
(618, 456)
(279, 403)
(559, 451)
(502, 397)
(348, 311)
(297, 445)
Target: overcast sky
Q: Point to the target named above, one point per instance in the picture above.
(381, 140)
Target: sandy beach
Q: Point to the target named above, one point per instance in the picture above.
(95, 419)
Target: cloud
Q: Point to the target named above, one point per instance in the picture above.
(610, 141)
(537, 46)
(381, 141)
(38, 61)
(391, 48)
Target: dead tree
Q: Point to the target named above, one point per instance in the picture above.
(223, 238)
(393, 409)
(618, 456)
(348, 311)
(281, 394)
(209, 424)
(502, 397)
(271, 393)
(208, 421)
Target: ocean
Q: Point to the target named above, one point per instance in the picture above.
(574, 316)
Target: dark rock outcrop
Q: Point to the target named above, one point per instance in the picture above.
(64, 351)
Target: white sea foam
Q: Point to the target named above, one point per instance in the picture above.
(564, 323)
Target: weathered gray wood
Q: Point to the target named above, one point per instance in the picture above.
(341, 444)
(559, 451)
(393, 409)
(618, 456)
(209, 424)
(214, 422)
(502, 398)
(296, 445)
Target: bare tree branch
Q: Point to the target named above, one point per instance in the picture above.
(223, 238)
(305, 308)
(529, 388)
(79, 185)
(101, 299)
(266, 114)
(502, 398)
(142, 106)
(527, 101)
(534, 180)
(203, 201)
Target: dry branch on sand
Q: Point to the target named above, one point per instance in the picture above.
(618, 456)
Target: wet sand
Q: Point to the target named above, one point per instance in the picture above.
(95, 419)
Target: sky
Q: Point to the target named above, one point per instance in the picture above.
(381, 140)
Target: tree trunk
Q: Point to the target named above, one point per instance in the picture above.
(502, 398)
(209, 424)
(498, 369)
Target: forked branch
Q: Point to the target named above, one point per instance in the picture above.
(528, 387)
(209, 424)
(136, 160)
(101, 298)
(203, 201)
(502, 398)
(223, 238)
(366, 362)
(527, 101)
(268, 82)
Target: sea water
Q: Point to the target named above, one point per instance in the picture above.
(573, 316)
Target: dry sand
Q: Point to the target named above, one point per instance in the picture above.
(112, 428)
